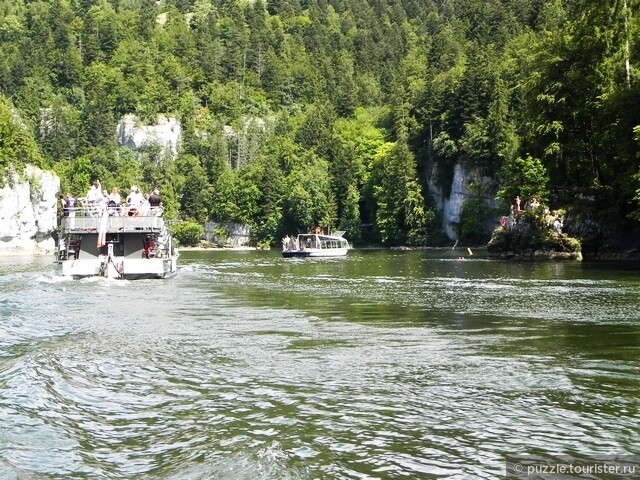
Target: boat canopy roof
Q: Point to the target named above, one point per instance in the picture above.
(334, 235)
(316, 240)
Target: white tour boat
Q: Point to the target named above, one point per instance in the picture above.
(106, 243)
(317, 245)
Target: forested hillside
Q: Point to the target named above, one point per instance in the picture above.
(338, 113)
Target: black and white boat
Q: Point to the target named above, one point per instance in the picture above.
(116, 243)
(317, 245)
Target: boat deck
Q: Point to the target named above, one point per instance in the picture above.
(112, 224)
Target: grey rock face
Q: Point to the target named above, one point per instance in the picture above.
(28, 212)
(166, 134)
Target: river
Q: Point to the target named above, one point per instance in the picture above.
(379, 365)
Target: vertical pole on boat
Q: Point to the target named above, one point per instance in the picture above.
(110, 264)
(172, 260)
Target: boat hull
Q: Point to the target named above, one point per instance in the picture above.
(312, 252)
(120, 268)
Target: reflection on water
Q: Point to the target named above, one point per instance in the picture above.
(378, 365)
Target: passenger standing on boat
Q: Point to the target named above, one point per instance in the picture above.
(94, 195)
(286, 243)
(134, 202)
(144, 206)
(113, 203)
(70, 209)
(102, 204)
(105, 199)
(155, 202)
(114, 196)
(69, 205)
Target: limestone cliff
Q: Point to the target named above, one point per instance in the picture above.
(451, 206)
(28, 212)
(165, 134)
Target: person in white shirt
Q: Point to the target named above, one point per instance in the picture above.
(94, 195)
(134, 202)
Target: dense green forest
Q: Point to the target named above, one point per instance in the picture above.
(342, 112)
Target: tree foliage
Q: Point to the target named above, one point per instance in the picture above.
(17, 145)
(339, 114)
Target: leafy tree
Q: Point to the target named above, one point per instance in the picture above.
(526, 177)
(100, 34)
(101, 86)
(316, 130)
(401, 216)
(76, 175)
(146, 18)
(196, 190)
(307, 199)
(188, 233)
(224, 207)
(475, 216)
(60, 132)
(636, 212)
(234, 36)
(359, 139)
(17, 145)
(269, 184)
(349, 219)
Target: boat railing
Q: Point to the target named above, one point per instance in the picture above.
(87, 218)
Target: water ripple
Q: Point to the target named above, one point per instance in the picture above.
(251, 367)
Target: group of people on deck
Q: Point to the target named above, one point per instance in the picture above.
(290, 243)
(98, 202)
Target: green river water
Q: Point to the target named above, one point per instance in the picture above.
(379, 365)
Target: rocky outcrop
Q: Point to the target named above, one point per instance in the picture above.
(28, 212)
(165, 134)
(227, 234)
(530, 237)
